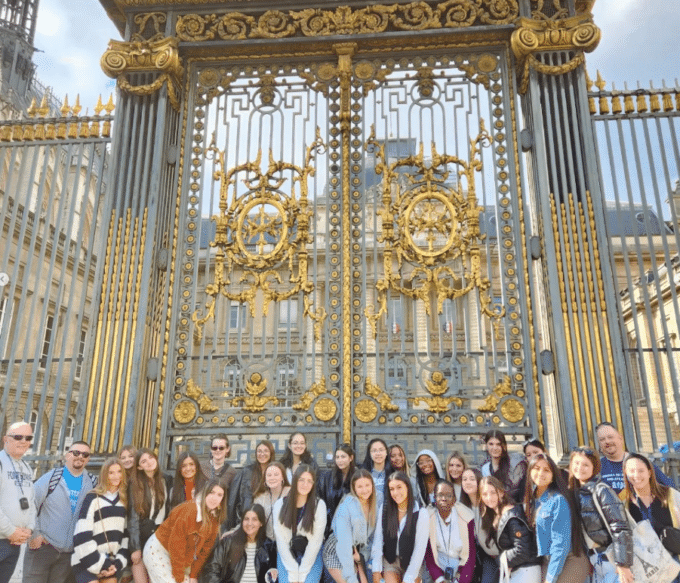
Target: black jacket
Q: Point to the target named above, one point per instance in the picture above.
(613, 513)
(330, 495)
(218, 570)
(516, 539)
(240, 495)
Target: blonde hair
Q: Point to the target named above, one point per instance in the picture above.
(104, 486)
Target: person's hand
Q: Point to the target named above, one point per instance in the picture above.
(110, 572)
(37, 542)
(625, 574)
(355, 555)
(192, 580)
(272, 575)
(20, 536)
(377, 577)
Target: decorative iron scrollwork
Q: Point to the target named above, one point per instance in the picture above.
(254, 402)
(437, 386)
(258, 232)
(195, 392)
(309, 397)
(502, 389)
(432, 224)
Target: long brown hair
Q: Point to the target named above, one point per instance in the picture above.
(262, 486)
(103, 485)
(556, 485)
(592, 457)
(289, 509)
(372, 501)
(464, 497)
(144, 489)
(258, 474)
(177, 496)
(489, 514)
(504, 463)
(221, 513)
(659, 491)
(239, 537)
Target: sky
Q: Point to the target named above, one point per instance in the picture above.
(640, 43)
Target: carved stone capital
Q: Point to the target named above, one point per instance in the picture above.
(157, 55)
(577, 33)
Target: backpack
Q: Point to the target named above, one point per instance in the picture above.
(54, 482)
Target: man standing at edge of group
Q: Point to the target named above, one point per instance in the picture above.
(217, 467)
(59, 494)
(610, 442)
(17, 502)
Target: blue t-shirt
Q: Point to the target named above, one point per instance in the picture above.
(612, 474)
(74, 485)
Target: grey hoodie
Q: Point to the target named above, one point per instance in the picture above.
(16, 482)
(416, 476)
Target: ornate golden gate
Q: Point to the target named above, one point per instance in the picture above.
(347, 250)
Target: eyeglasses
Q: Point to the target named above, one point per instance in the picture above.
(444, 496)
(78, 453)
(217, 447)
(28, 438)
(585, 450)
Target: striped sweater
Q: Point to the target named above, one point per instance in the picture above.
(100, 538)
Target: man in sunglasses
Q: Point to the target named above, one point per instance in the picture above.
(217, 467)
(17, 503)
(58, 496)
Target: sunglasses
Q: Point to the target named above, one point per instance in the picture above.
(28, 438)
(217, 447)
(78, 453)
(585, 450)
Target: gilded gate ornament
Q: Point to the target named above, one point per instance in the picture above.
(577, 33)
(345, 20)
(501, 390)
(437, 385)
(156, 55)
(195, 392)
(432, 224)
(254, 402)
(310, 396)
(259, 233)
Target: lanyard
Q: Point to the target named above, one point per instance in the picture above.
(440, 521)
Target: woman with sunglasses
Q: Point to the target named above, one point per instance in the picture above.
(401, 534)
(217, 467)
(179, 548)
(333, 484)
(247, 481)
(348, 548)
(100, 539)
(245, 554)
(189, 479)
(510, 469)
(507, 524)
(297, 453)
(299, 525)
(551, 510)
(450, 551)
(148, 507)
(274, 485)
(603, 518)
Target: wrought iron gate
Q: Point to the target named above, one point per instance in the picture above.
(351, 255)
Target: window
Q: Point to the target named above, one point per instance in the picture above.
(47, 338)
(396, 315)
(81, 353)
(237, 316)
(5, 314)
(70, 431)
(288, 314)
(448, 316)
(232, 380)
(37, 436)
(286, 383)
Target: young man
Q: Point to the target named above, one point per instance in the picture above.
(217, 468)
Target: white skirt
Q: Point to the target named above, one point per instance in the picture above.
(157, 561)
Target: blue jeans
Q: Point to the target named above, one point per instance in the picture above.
(9, 555)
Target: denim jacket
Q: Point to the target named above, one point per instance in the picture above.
(553, 531)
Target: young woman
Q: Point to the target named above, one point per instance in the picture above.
(507, 524)
(274, 485)
(247, 481)
(398, 459)
(486, 570)
(100, 541)
(333, 484)
(148, 507)
(189, 479)
(179, 548)
(297, 453)
(455, 466)
(551, 510)
(427, 471)
(401, 534)
(509, 469)
(377, 463)
(451, 547)
(601, 513)
(348, 549)
(646, 499)
(245, 554)
(532, 447)
(126, 458)
(299, 525)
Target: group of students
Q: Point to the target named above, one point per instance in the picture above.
(518, 519)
